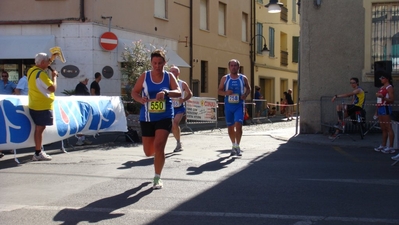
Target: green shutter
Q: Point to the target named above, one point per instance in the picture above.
(295, 49)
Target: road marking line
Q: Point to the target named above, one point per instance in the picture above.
(206, 214)
(341, 151)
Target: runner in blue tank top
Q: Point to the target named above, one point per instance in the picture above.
(153, 90)
(235, 89)
(179, 106)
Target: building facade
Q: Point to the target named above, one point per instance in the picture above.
(76, 26)
(277, 71)
(339, 40)
(201, 36)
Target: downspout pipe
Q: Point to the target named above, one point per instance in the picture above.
(191, 45)
(82, 11)
(252, 48)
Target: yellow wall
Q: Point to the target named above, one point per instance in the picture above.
(270, 67)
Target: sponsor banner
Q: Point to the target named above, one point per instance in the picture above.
(72, 115)
(201, 109)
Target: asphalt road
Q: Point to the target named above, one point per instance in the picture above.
(274, 182)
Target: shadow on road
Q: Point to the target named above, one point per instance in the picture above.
(211, 166)
(296, 183)
(144, 162)
(102, 209)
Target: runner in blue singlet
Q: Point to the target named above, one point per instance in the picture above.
(153, 89)
(179, 106)
(235, 89)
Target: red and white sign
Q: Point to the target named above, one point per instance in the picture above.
(108, 41)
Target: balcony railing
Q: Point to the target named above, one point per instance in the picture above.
(284, 58)
(284, 14)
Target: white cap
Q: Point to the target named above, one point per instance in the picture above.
(82, 77)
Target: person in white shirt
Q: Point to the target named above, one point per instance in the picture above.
(22, 86)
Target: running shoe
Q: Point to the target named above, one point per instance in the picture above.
(339, 126)
(379, 148)
(157, 183)
(332, 137)
(179, 147)
(41, 157)
(388, 150)
(238, 151)
(396, 157)
(233, 151)
(79, 143)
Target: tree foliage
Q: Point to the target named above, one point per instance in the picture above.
(136, 60)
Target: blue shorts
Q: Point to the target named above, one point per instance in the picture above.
(384, 110)
(148, 128)
(42, 117)
(234, 113)
(179, 110)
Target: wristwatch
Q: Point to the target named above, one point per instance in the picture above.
(166, 92)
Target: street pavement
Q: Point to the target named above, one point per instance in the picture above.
(282, 178)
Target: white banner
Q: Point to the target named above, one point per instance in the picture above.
(72, 115)
(201, 109)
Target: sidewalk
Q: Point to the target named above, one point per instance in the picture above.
(370, 141)
(279, 129)
(286, 131)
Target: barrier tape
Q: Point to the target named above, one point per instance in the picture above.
(283, 104)
(222, 103)
(253, 103)
(372, 121)
(247, 103)
(372, 104)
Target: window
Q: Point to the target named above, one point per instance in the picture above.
(244, 27)
(260, 1)
(16, 68)
(160, 9)
(385, 34)
(195, 88)
(295, 49)
(271, 42)
(259, 38)
(293, 10)
(222, 19)
(204, 15)
(204, 77)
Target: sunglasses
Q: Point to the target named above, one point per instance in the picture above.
(382, 78)
(5, 76)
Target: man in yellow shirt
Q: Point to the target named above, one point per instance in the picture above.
(41, 98)
(349, 110)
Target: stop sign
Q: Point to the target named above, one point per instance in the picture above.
(108, 41)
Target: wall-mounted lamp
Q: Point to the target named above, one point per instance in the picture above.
(299, 6)
(265, 50)
(274, 6)
(317, 3)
